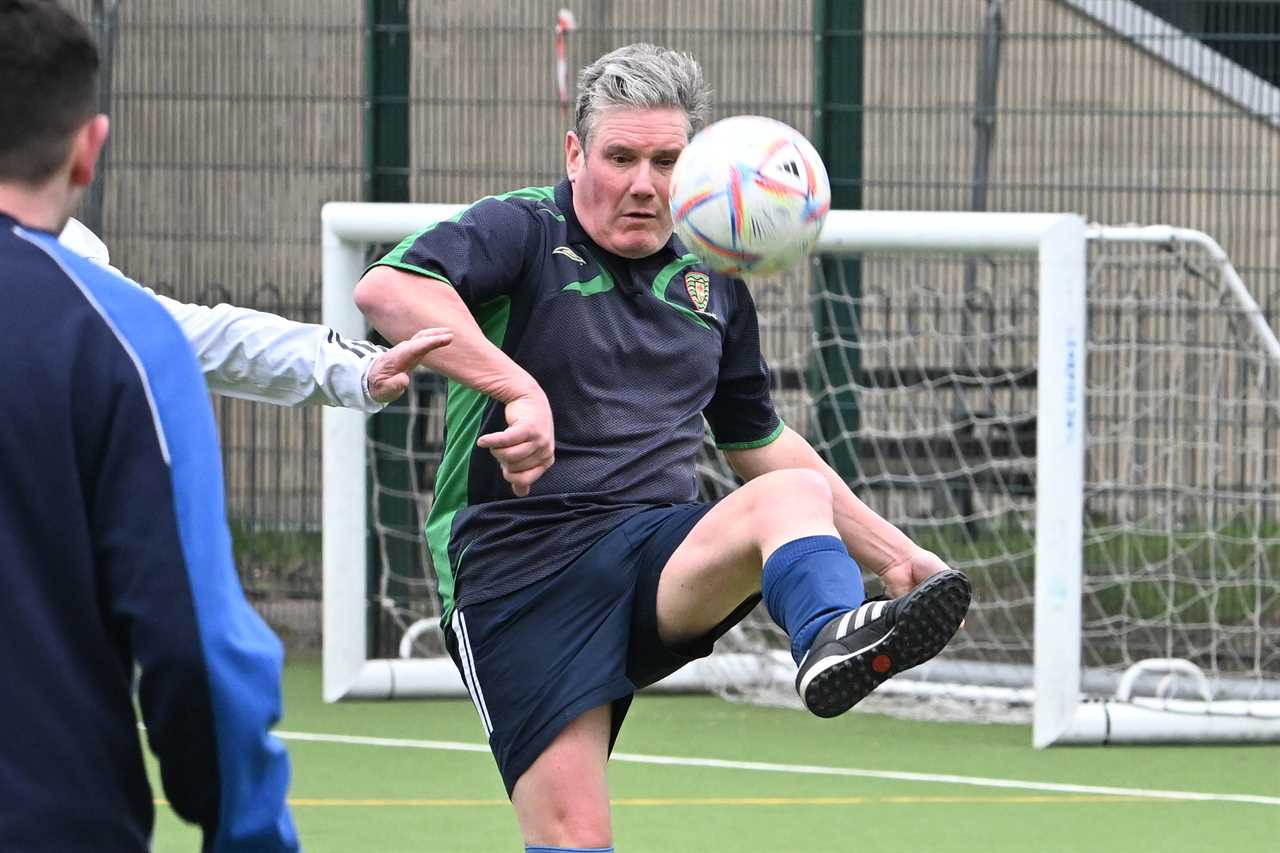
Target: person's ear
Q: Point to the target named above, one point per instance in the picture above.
(85, 148)
(574, 156)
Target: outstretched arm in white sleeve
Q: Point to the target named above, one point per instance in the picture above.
(255, 355)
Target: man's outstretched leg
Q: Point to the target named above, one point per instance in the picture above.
(776, 536)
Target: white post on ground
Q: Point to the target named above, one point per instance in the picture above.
(346, 230)
(1060, 448)
(343, 460)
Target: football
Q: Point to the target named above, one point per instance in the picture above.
(749, 195)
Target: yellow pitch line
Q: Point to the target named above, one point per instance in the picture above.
(732, 801)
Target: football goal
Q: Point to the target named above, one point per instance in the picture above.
(1084, 419)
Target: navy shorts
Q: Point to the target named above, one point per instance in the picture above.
(536, 659)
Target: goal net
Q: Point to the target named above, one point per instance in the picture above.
(1084, 420)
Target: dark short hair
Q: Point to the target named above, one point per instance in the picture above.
(48, 82)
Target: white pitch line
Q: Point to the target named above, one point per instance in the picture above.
(816, 770)
(448, 745)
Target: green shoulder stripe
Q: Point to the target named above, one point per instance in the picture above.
(400, 265)
(395, 258)
(601, 283)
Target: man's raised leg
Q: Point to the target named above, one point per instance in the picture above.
(776, 536)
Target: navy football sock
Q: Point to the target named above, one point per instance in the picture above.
(805, 583)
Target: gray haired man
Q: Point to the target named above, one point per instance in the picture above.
(576, 564)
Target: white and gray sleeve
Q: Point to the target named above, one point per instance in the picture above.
(258, 356)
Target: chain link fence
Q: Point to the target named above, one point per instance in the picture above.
(234, 121)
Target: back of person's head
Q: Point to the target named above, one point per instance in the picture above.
(641, 76)
(48, 81)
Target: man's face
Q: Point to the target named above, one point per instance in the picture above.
(621, 182)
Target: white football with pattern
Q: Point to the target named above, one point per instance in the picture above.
(749, 195)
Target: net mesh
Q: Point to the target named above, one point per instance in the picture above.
(914, 375)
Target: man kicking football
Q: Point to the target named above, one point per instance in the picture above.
(575, 562)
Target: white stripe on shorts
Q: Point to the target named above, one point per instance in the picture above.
(469, 671)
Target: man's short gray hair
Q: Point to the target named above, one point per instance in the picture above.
(641, 76)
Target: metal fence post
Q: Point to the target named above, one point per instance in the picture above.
(105, 18)
(386, 123)
(838, 123)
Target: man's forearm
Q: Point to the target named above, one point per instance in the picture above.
(398, 304)
(872, 540)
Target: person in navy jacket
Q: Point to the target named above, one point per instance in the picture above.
(115, 560)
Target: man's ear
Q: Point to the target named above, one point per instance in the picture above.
(85, 148)
(575, 157)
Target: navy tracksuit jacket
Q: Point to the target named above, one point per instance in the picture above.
(115, 555)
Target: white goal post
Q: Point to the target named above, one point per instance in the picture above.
(1060, 245)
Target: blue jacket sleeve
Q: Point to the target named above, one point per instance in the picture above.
(209, 687)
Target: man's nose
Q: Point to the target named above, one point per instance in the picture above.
(642, 183)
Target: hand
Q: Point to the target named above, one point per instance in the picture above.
(526, 448)
(904, 575)
(389, 373)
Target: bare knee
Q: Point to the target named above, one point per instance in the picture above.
(789, 504)
(798, 490)
(562, 812)
(571, 824)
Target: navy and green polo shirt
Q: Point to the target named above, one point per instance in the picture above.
(632, 355)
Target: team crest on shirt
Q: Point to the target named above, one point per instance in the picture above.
(699, 286)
